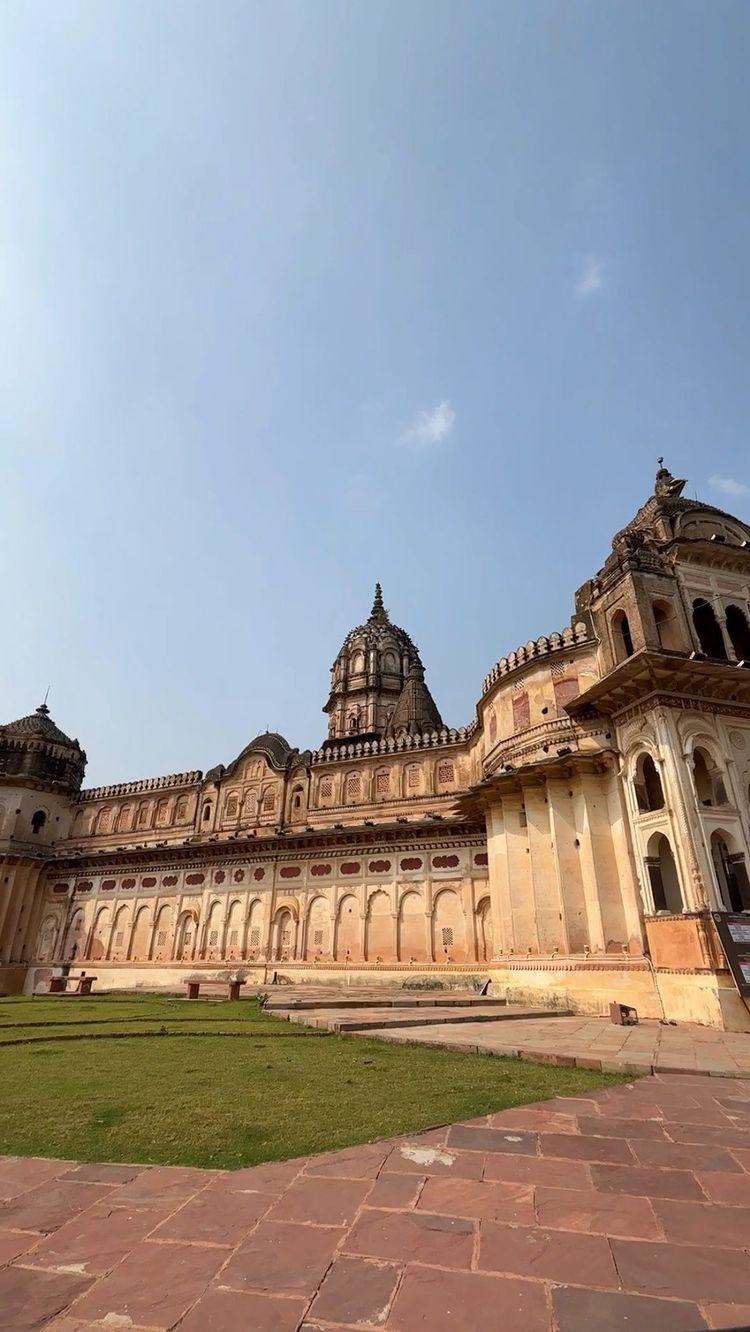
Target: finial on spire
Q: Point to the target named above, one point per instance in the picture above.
(378, 609)
(43, 710)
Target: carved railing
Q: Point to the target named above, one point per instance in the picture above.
(538, 647)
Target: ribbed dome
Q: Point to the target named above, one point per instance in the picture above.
(39, 725)
(369, 674)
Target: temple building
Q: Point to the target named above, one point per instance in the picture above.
(571, 843)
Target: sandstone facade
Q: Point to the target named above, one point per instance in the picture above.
(573, 840)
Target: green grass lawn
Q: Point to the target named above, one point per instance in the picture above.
(219, 1084)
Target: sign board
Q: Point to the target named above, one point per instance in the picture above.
(734, 935)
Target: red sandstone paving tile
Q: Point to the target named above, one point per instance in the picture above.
(243, 1311)
(282, 1258)
(154, 1286)
(29, 1299)
(21, 1174)
(705, 1223)
(685, 1156)
(611, 1311)
(682, 1271)
(504, 1201)
(555, 1255)
(742, 1155)
(534, 1118)
(727, 1315)
(568, 1105)
(423, 1237)
(214, 1216)
(419, 1158)
(539, 1170)
(428, 1300)
(607, 1126)
(95, 1241)
(49, 1206)
(396, 1191)
(725, 1188)
(588, 1212)
(492, 1140)
(356, 1290)
(272, 1178)
(13, 1243)
(357, 1163)
(574, 1147)
(326, 1202)
(167, 1186)
(103, 1174)
(648, 1183)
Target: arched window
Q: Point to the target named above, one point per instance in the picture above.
(622, 638)
(708, 629)
(739, 632)
(38, 820)
(297, 794)
(662, 873)
(731, 874)
(667, 627)
(708, 780)
(648, 789)
(206, 815)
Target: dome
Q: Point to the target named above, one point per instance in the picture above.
(33, 749)
(368, 675)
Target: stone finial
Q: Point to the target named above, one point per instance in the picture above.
(378, 611)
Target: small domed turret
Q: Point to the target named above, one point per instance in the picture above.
(35, 752)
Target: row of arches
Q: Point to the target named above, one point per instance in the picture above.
(708, 630)
(729, 867)
(707, 774)
(233, 933)
(378, 935)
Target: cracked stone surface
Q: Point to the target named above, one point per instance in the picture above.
(624, 1211)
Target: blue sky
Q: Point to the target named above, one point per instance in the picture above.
(295, 296)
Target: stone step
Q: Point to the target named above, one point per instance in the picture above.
(364, 1021)
(341, 1000)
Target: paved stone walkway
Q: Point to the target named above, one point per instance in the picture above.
(592, 1043)
(624, 1211)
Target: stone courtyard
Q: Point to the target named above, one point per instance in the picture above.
(628, 1209)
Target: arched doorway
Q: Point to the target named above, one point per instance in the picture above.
(731, 873)
(663, 877)
(648, 789)
(739, 632)
(138, 950)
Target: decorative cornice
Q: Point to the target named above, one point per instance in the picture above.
(404, 744)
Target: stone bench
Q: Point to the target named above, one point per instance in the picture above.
(233, 987)
(81, 984)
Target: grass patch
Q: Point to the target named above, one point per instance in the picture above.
(158, 1080)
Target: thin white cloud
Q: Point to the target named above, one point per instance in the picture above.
(591, 278)
(430, 427)
(728, 486)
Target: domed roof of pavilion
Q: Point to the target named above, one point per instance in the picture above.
(377, 629)
(34, 750)
(39, 726)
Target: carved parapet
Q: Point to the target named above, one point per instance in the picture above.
(403, 743)
(540, 647)
(146, 784)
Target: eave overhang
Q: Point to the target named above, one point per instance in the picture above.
(665, 673)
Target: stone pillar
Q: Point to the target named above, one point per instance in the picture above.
(544, 876)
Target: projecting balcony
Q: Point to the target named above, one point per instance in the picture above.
(554, 738)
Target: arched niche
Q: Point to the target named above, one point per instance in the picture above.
(622, 639)
(730, 868)
(647, 782)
